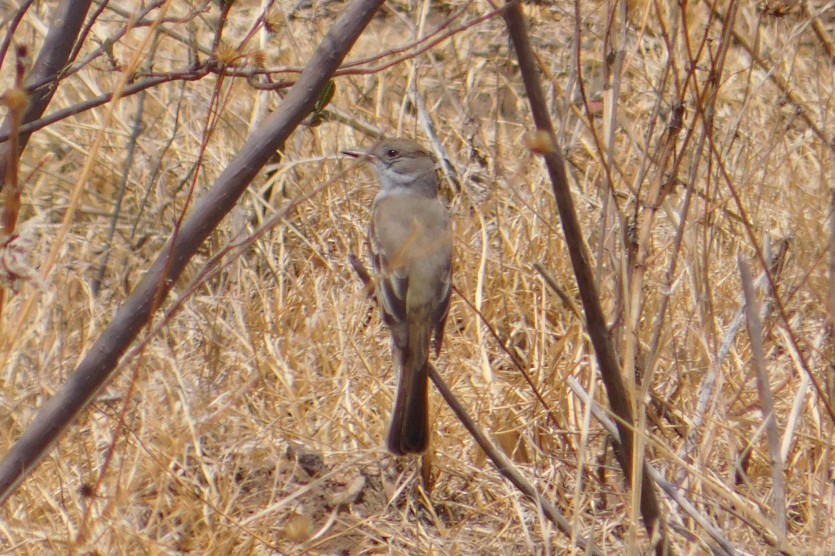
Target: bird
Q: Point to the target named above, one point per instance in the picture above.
(410, 244)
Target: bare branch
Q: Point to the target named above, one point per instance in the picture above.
(504, 465)
(63, 32)
(580, 260)
(101, 360)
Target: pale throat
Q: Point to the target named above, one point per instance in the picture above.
(409, 181)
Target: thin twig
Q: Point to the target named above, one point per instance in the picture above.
(778, 301)
(784, 87)
(714, 375)
(66, 22)
(796, 414)
(820, 31)
(136, 129)
(13, 24)
(554, 287)
(504, 465)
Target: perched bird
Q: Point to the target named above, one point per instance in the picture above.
(410, 239)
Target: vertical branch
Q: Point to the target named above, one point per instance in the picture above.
(830, 368)
(63, 31)
(669, 488)
(545, 143)
(755, 331)
(17, 101)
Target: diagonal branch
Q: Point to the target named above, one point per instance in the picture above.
(99, 363)
(501, 461)
(505, 466)
(595, 321)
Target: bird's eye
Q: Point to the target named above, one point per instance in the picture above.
(391, 153)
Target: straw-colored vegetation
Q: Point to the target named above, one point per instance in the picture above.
(252, 421)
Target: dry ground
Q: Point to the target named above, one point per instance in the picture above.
(253, 421)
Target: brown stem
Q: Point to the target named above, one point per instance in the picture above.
(580, 260)
(98, 365)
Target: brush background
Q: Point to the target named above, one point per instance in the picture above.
(262, 405)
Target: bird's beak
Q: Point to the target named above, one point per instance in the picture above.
(354, 154)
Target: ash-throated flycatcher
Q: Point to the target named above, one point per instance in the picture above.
(411, 250)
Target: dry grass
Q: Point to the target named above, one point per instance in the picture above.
(254, 421)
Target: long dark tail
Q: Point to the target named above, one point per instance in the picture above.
(409, 429)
